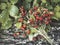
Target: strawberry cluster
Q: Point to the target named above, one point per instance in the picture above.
(22, 11)
(40, 16)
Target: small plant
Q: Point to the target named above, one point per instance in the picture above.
(33, 17)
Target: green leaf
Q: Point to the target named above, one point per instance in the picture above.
(3, 0)
(56, 1)
(4, 16)
(33, 30)
(55, 18)
(18, 25)
(13, 1)
(28, 0)
(3, 6)
(57, 15)
(13, 11)
(50, 7)
(35, 3)
(26, 5)
(43, 1)
(57, 8)
(7, 24)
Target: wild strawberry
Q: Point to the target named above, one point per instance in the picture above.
(31, 20)
(36, 20)
(30, 11)
(40, 18)
(23, 14)
(36, 13)
(49, 18)
(35, 8)
(46, 15)
(28, 32)
(21, 10)
(24, 25)
(46, 22)
(37, 17)
(20, 20)
(22, 28)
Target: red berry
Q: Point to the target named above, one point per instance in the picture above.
(24, 25)
(40, 18)
(46, 15)
(20, 20)
(35, 8)
(22, 28)
(28, 32)
(36, 26)
(36, 20)
(49, 18)
(37, 17)
(31, 20)
(46, 22)
(36, 13)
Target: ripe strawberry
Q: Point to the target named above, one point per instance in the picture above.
(22, 28)
(20, 20)
(37, 17)
(28, 32)
(49, 18)
(40, 18)
(36, 20)
(46, 22)
(35, 8)
(24, 25)
(31, 20)
(46, 15)
(23, 13)
(36, 13)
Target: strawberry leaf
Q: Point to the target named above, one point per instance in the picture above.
(13, 11)
(57, 15)
(3, 6)
(4, 16)
(13, 1)
(7, 24)
(18, 25)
